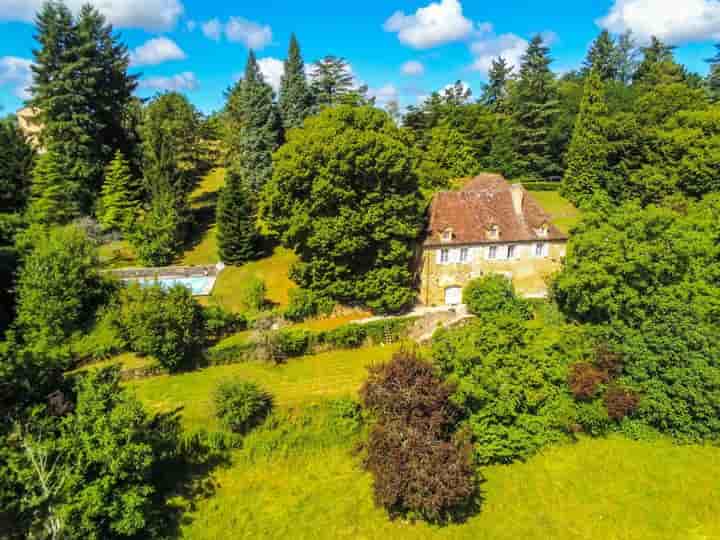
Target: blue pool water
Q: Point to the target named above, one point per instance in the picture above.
(199, 286)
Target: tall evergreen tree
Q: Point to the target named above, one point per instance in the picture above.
(332, 80)
(602, 57)
(495, 92)
(238, 237)
(713, 79)
(119, 201)
(535, 107)
(16, 156)
(295, 99)
(587, 157)
(54, 190)
(657, 57)
(255, 126)
(81, 89)
(627, 53)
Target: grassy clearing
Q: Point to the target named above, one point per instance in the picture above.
(603, 488)
(299, 382)
(564, 215)
(126, 360)
(273, 270)
(202, 247)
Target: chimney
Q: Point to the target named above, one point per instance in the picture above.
(518, 193)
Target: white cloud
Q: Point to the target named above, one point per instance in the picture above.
(16, 72)
(152, 15)
(673, 21)
(432, 25)
(488, 46)
(272, 70)
(252, 34)
(412, 68)
(156, 51)
(451, 86)
(384, 94)
(182, 81)
(212, 29)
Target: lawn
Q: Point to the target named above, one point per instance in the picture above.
(298, 382)
(202, 247)
(562, 212)
(595, 489)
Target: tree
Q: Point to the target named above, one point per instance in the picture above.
(53, 194)
(165, 324)
(713, 80)
(656, 56)
(492, 295)
(420, 468)
(626, 52)
(240, 405)
(59, 288)
(602, 58)
(535, 106)
(495, 92)
(255, 126)
(344, 195)
(82, 90)
(587, 158)
(119, 202)
(332, 81)
(17, 157)
(295, 99)
(239, 240)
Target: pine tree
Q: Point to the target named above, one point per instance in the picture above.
(332, 81)
(16, 156)
(495, 92)
(587, 158)
(255, 126)
(82, 90)
(53, 193)
(535, 106)
(713, 80)
(238, 237)
(119, 200)
(295, 99)
(658, 64)
(626, 52)
(602, 57)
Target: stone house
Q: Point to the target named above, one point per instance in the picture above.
(488, 227)
(29, 123)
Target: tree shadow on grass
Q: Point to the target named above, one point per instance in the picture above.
(203, 219)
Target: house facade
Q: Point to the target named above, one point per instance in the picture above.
(489, 227)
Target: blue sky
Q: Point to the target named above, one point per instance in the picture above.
(403, 49)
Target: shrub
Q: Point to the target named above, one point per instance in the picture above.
(585, 379)
(494, 294)
(305, 304)
(620, 402)
(220, 322)
(420, 468)
(349, 336)
(252, 294)
(592, 417)
(293, 342)
(240, 405)
(166, 324)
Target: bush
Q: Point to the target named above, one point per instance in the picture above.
(240, 406)
(293, 342)
(494, 294)
(305, 304)
(585, 379)
(542, 186)
(349, 336)
(420, 467)
(220, 322)
(620, 402)
(166, 324)
(252, 294)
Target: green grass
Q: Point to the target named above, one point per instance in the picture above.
(299, 382)
(596, 489)
(126, 360)
(273, 270)
(562, 212)
(202, 247)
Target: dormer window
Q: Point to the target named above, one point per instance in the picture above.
(447, 235)
(494, 232)
(542, 232)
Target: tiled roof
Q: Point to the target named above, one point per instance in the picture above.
(487, 202)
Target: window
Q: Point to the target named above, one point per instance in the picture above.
(511, 252)
(447, 235)
(464, 255)
(492, 252)
(540, 249)
(444, 255)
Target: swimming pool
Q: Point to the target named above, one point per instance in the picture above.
(198, 285)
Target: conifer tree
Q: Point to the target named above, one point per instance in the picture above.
(332, 81)
(657, 57)
(495, 92)
(626, 52)
(54, 192)
(713, 80)
(535, 106)
(587, 158)
(119, 201)
(602, 57)
(255, 126)
(16, 156)
(238, 237)
(295, 99)
(82, 89)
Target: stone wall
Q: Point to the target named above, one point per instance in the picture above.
(528, 272)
